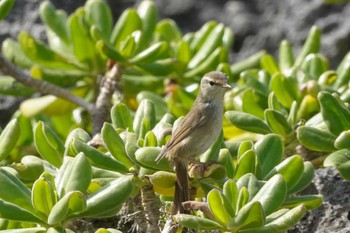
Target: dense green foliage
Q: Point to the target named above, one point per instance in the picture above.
(52, 174)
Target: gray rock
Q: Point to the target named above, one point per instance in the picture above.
(333, 215)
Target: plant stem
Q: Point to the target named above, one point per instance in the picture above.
(41, 86)
(104, 98)
(151, 208)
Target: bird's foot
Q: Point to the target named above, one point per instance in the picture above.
(198, 170)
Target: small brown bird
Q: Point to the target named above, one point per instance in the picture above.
(196, 133)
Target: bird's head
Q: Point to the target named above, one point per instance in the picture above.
(214, 85)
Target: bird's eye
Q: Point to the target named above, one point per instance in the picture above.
(211, 83)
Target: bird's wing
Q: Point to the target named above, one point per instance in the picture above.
(193, 121)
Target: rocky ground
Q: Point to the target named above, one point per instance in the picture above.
(257, 24)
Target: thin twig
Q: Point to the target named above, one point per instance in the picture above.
(104, 99)
(41, 86)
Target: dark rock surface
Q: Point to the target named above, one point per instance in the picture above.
(257, 24)
(333, 215)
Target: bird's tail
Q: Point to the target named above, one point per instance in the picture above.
(181, 187)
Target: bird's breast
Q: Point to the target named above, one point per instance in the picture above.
(205, 136)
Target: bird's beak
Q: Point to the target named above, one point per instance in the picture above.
(226, 85)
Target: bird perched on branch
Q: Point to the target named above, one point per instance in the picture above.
(196, 133)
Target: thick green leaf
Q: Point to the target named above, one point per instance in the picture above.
(48, 144)
(228, 38)
(41, 54)
(305, 179)
(270, 150)
(269, 64)
(225, 159)
(251, 183)
(109, 230)
(97, 158)
(83, 45)
(70, 204)
(201, 35)
(218, 208)
(51, 105)
(210, 63)
(282, 223)
(286, 57)
(272, 194)
(148, 13)
(121, 117)
(246, 164)
(308, 201)
(293, 114)
(156, 51)
(30, 168)
(230, 191)
(254, 102)
(150, 140)
(128, 46)
(14, 212)
(128, 22)
(251, 79)
(13, 52)
(316, 139)
(343, 63)
(334, 113)
(115, 144)
(212, 41)
(285, 88)
(161, 67)
(278, 122)
(157, 100)
(244, 147)
(167, 30)
(183, 53)
(146, 157)
(247, 122)
(291, 169)
(314, 65)
(110, 197)
(99, 14)
(311, 45)
(196, 222)
(248, 63)
(5, 7)
(14, 191)
(75, 175)
(146, 110)
(337, 158)
(55, 20)
(343, 140)
(341, 160)
(343, 77)
(344, 170)
(77, 133)
(251, 215)
(58, 229)
(108, 51)
(43, 196)
(8, 138)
